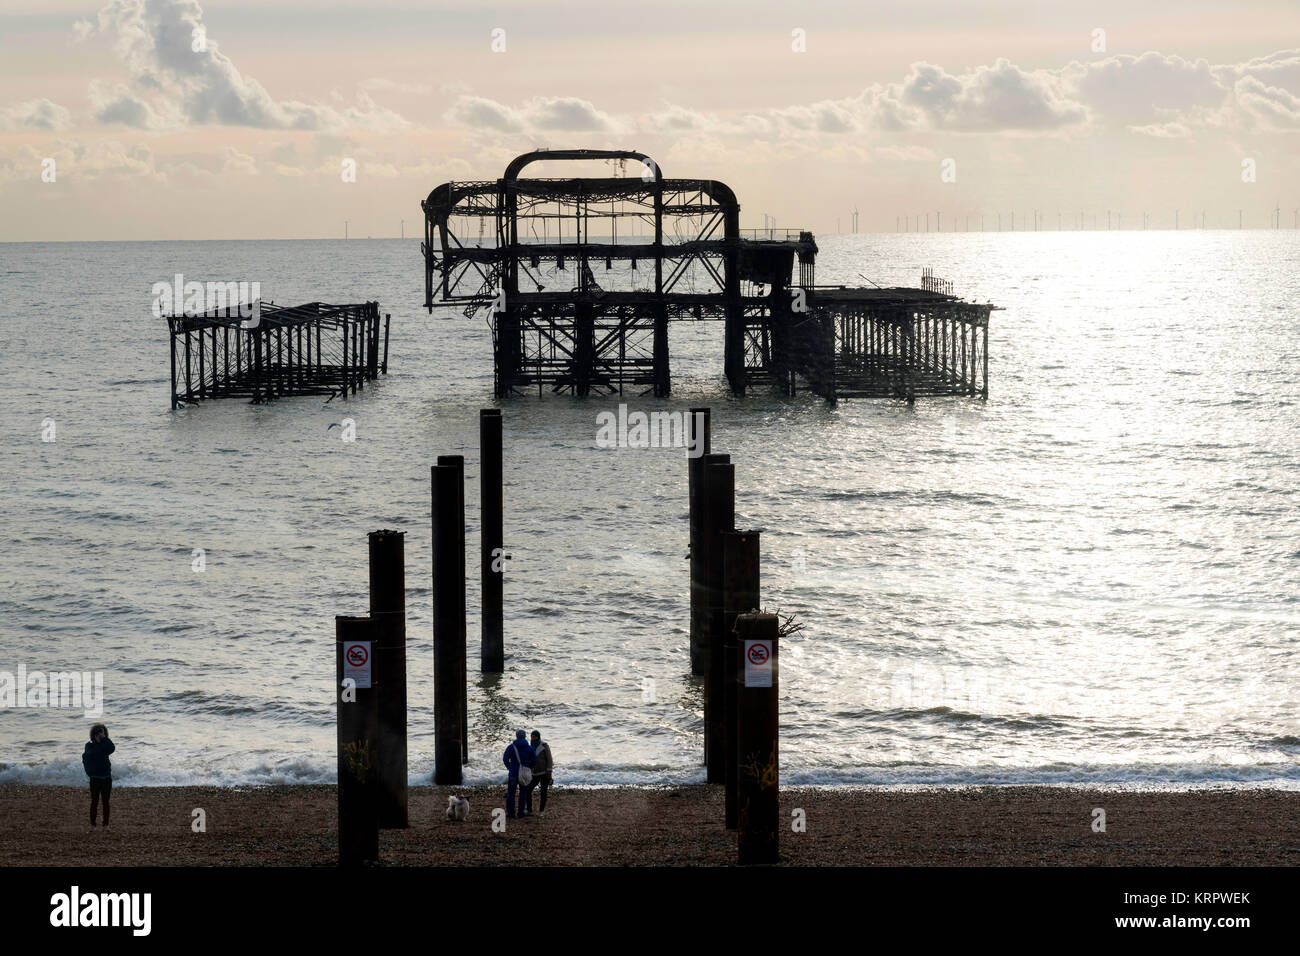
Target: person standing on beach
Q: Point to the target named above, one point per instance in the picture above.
(518, 755)
(541, 775)
(98, 769)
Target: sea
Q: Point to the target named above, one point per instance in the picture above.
(1091, 578)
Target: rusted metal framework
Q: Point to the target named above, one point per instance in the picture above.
(312, 349)
(890, 343)
(583, 275)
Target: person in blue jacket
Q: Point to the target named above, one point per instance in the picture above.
(99, 769)
(517, 755)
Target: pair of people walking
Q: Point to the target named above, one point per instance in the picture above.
(528, 766)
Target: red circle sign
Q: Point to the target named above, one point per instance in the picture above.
(357, 655)
(757, 653)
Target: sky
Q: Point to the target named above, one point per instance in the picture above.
(171, 119)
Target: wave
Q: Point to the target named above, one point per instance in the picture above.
(290, 771)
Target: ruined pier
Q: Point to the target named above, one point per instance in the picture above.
(273, 351)
(582, 277)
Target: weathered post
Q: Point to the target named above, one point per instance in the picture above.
(740, 595)
(357, 718)
(492, 554)
(387, 317)
(388, 609)
(448, 622)
(719, 515)
(759, 776)
(458, 461)
(698, 427)
(172, 336)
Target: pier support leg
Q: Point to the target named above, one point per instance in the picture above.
(662, 375)
(719, 515)
(492, 555)
(388, 609)
(458, 461)
(698, 445)
(448, 620)
(740, 595)
(758, 785)
(357, 718)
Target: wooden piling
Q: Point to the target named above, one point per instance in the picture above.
(387, 317)
(448, 621)
(698, 432)
(758, 765)
(491, 543)
(719, 514)
(388, 609)
(740, 595)
(458, 461)
(357, 718)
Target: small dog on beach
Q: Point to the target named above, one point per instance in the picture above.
(457, 808)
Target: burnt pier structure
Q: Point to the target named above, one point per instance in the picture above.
(582, 277)
(275, 351)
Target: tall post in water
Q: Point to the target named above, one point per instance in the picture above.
(448, 622)
(492, 547)
(357, 719)
(458, 462)
(719, 516)
(759, 775)
(740, 595)
(388, 610)
(698, 437)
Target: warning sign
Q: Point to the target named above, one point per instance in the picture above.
(758, 663)
(356, 662)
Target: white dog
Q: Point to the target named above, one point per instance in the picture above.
(457, 808)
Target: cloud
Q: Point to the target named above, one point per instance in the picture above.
(1128, 89)
(117, 104)
(679, 119)
(76, 161)
(387, 85)
(992, 98)
(478, 112)
(34, 114)
(1149, 95)
(1280, 69)
(826, 116)
(997, 98)
(1162, 130)
(1272, 106)
(540, 113)
(165, 48)
(565, 112)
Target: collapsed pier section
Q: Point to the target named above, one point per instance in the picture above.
(311, 349)
(897, 343)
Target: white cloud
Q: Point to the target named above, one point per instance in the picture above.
(1130, 90)
(541, 113)
(1272, 106)
(116, 103)
(34, 115)
(478, 112)
(1173, 130)
(155, 40)
(566, 113)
